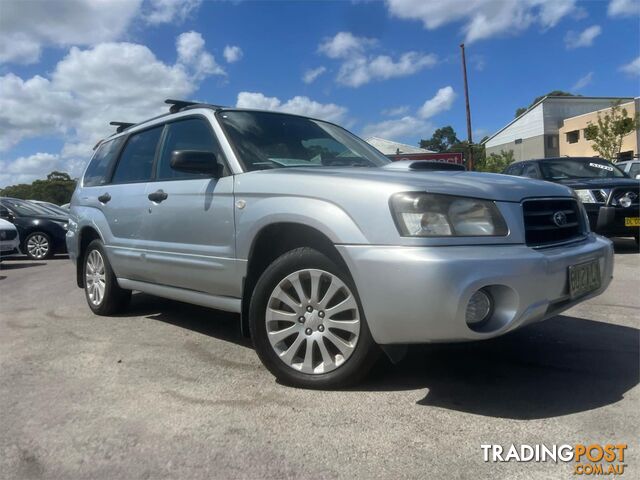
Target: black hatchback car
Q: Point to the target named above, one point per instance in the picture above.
(609, 196)
(42, 230)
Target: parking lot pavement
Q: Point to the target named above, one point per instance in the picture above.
(173, 391)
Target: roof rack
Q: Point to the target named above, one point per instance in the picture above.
(180, 105)
(177, 105)
(122, 126)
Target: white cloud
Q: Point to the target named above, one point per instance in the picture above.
(583, 39)
(26, 27)
(410, 125)
(312, 74)
(632, 68)
(441, 101)
(170, 11)
(344, 45)
(623, 8)
(396, 111)
(361, 70)
(359, 67)
(191, 52)
(298, 104)
(583, 82)
(232, 53)
(396, 129)
(483, 19)
(86, 90)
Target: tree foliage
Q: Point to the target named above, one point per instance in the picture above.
(442, 140)
(496, 162)
(445, 139)
(553, 93)
(56, 188)
(609, 132)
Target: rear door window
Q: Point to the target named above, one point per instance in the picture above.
(136, 161)
(98, 171)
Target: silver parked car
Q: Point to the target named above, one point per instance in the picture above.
(630, 167)
(329, 251)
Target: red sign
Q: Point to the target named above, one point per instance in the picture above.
(454, 157)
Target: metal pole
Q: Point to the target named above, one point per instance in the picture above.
(466, 96)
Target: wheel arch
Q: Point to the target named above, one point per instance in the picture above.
(274, 240)
(86, 235)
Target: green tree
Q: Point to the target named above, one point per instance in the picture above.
(56, 188)
(441, 140)
(496, 162)
(609, 132)
(553, 93)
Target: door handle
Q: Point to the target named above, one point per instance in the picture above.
(104, 198)
(158, 196)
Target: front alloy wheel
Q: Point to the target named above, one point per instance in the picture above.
(38, 246)
(307, 323)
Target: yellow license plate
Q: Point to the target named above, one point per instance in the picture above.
(632, 221)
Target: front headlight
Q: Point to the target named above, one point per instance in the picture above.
(64, 225)
(434, 215)
(586, 196)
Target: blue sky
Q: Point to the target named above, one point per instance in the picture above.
(381, 68)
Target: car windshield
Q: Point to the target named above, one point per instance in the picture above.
(568, 168)
(266, 140)
(27, 209)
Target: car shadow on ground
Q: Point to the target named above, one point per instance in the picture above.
(16, 265)
(214, 323)
(558, 367)
(562, 366)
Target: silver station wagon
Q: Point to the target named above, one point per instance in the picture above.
(329, 252)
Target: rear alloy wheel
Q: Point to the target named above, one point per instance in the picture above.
(38, 246)
(104, 295)
(307, 323)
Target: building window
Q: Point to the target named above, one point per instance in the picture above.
(518, 141)
(552, 141)
(625, 156)
(573, 137)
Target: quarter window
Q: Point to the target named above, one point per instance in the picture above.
(190, 134)
(98, 170)
(136, 161)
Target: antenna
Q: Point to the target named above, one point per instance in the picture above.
(121, 126)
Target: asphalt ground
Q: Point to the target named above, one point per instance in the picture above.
(170, 390)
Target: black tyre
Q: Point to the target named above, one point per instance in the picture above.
(307, 323)
(38, 246)
(101, 289)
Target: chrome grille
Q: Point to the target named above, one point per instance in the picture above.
(549, 221)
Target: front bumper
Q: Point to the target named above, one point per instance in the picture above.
(420, 294)
(610, 221)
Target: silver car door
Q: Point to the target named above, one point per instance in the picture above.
(189, 229)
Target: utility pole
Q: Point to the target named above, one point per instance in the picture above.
(466, 96)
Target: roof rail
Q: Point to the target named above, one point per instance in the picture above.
(122, 126)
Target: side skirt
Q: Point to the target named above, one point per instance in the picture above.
(228, 304)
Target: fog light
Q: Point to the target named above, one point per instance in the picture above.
(626, 201)
(478, 308)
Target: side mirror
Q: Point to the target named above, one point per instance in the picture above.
(196, 161)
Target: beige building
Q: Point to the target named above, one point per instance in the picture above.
(573, 143)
